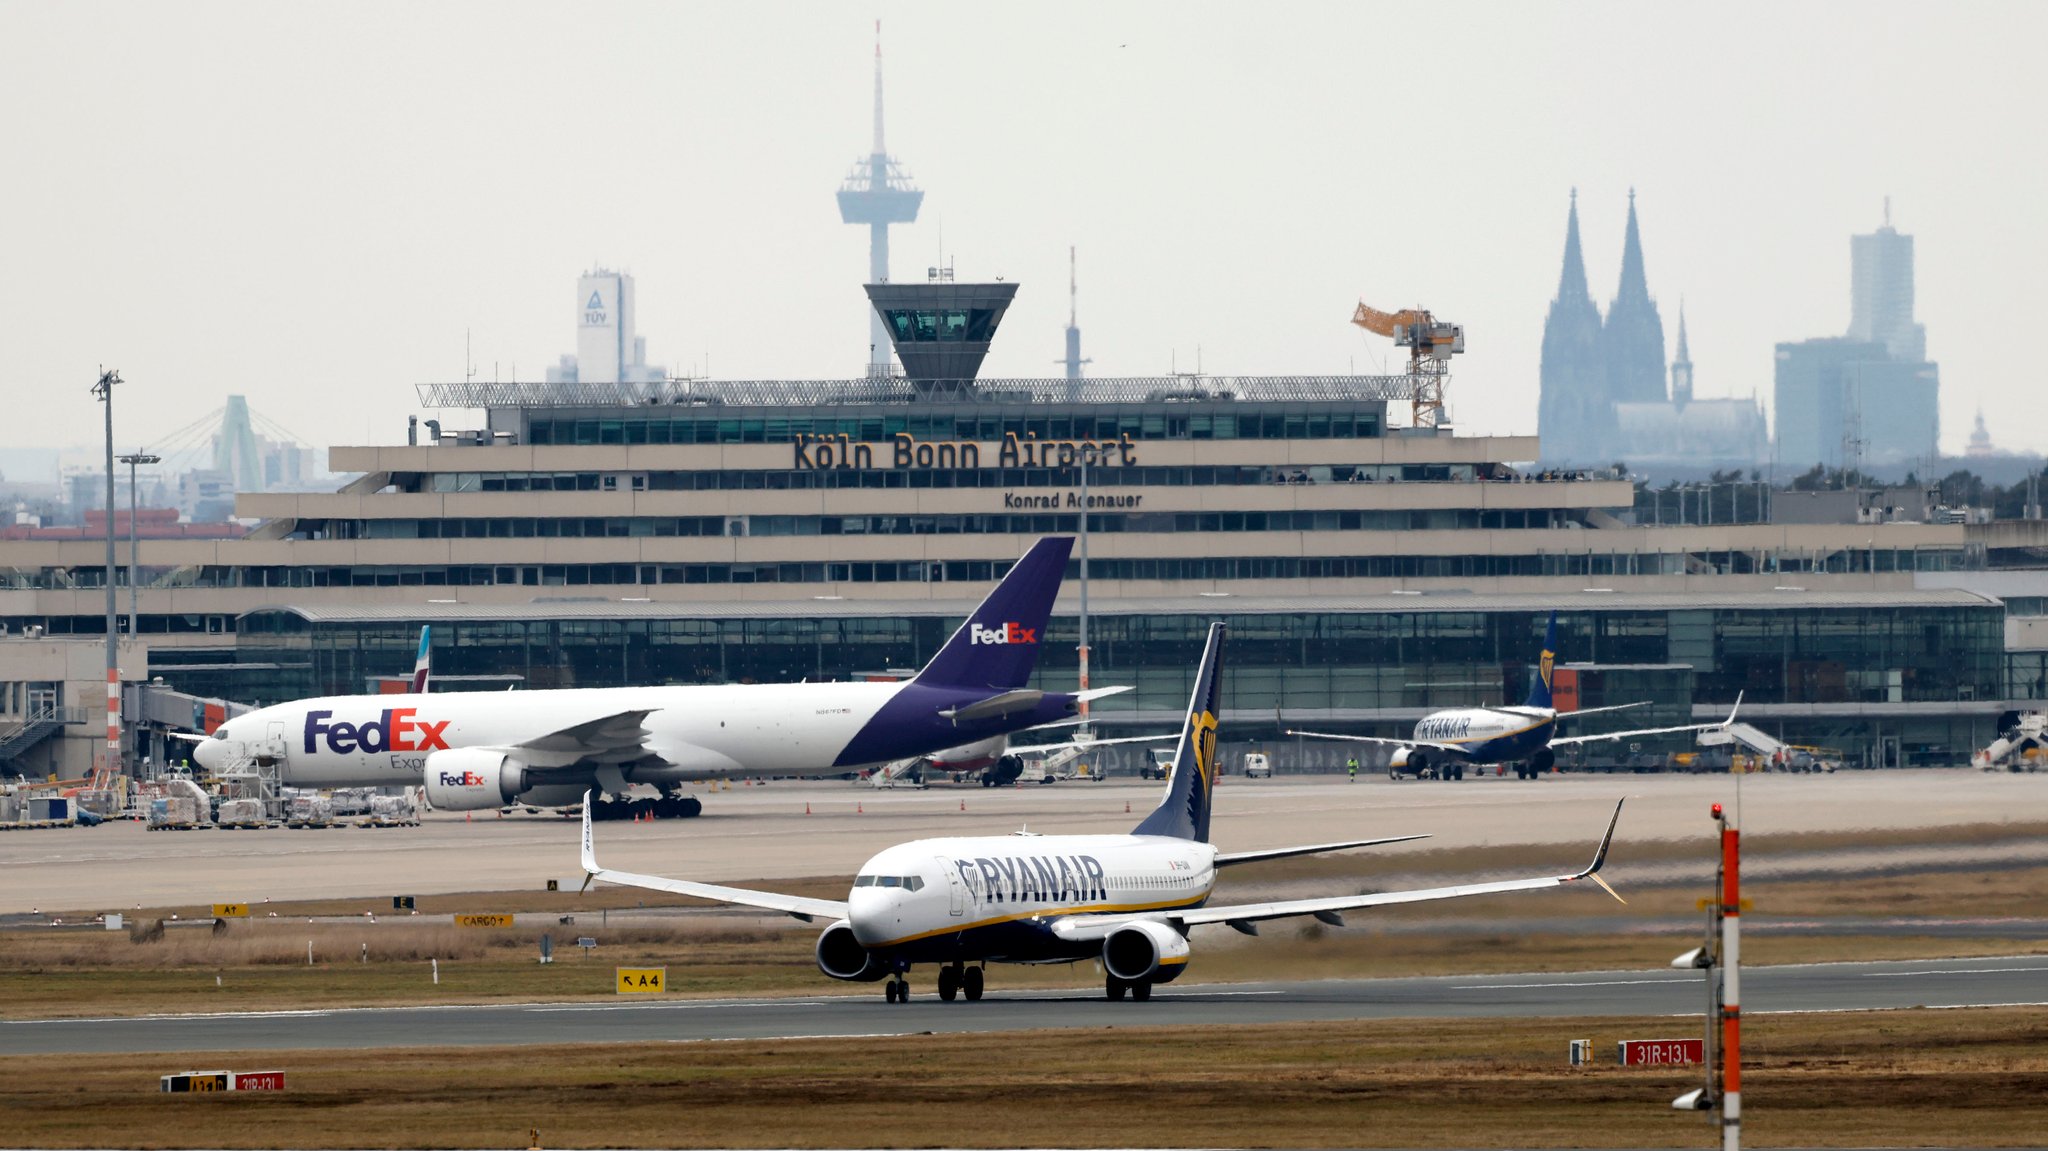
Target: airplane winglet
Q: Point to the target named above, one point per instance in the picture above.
(1730, 721)
(590, 867)
(1606, 841)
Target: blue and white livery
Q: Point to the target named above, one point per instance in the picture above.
(1446, 742)
(959, 904)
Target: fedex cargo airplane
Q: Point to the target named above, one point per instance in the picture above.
(476, 750)
(1446, 741)
(1128, 901)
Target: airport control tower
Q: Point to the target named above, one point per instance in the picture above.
(878, 193)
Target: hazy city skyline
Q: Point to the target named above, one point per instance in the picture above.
(315, 205)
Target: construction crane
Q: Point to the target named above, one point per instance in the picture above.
(1430, 345)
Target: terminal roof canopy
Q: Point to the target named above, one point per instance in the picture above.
(941, 330)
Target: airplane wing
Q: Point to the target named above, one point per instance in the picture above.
(616, 738)
(1453, 748)
(1565, 715)
(1226, 859)
(1244, 916)
(1567, 741)
(792, 905)
(1163, 738)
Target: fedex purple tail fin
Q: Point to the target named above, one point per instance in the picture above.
(1539, 682)
(997, 647)
(1184, 813)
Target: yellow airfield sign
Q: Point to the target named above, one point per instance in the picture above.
(642, 980)
(231, 911)
(483, 921)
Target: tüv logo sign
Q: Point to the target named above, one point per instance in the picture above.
(1001, 633)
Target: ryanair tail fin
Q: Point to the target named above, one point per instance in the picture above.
(1184, 813)
(997, 647)
(1539, 683)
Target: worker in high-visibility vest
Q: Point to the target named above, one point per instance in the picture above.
(1351, 769)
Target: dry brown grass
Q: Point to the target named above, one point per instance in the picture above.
(1975, 1078)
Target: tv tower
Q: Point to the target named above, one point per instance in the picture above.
(878, 193)
(1073, 359)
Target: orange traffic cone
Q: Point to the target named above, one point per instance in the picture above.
(963, 805)
(859, 810)
(1127, 807)
(807, 807)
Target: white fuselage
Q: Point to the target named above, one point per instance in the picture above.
(986, 897)
(698, 732)
(1489, 734)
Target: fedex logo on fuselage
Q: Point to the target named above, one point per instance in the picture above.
(395, 730)
(1001, 633)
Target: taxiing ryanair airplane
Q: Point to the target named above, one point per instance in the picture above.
(476, 750)
(1447, 741)
(1129, 900)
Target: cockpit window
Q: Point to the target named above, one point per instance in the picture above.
(220, 733)
(907, 882)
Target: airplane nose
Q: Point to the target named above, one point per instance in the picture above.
(206, 753)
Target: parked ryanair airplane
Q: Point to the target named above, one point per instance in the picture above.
(477, 750)
(1129, 900)
(1447, 741)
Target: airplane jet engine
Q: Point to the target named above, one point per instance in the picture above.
(1409, 759)
(472, 778)
(1145, 952)
(841, 956)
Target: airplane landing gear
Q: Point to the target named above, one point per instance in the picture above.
(666, 807)
(949, 982)
(970, 984)
(897, 990)
(1140, 989)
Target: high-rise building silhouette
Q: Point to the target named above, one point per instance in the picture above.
(878, 193)
(1881, 292)
(1868, 400)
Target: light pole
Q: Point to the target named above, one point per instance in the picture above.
(104, 389)
(134, 553)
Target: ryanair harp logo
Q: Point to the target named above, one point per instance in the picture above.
(1205, 747)
(1543, 667)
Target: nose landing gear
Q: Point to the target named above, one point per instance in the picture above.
(897, 990)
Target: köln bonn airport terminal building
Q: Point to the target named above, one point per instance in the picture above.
(1372, 564)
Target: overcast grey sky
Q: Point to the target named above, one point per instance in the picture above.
(311, 203)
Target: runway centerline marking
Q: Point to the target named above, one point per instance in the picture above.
(1951, 971)
(697, 1006)
(1526, 986)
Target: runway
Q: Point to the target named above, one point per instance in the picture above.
(863, 1013)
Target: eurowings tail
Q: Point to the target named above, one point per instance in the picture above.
(997, 647)
(1184, 813)
(422, 665)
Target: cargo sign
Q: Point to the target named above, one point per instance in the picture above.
(1661, 1052)
(642, 980)
(231, 911)
(483, 921)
